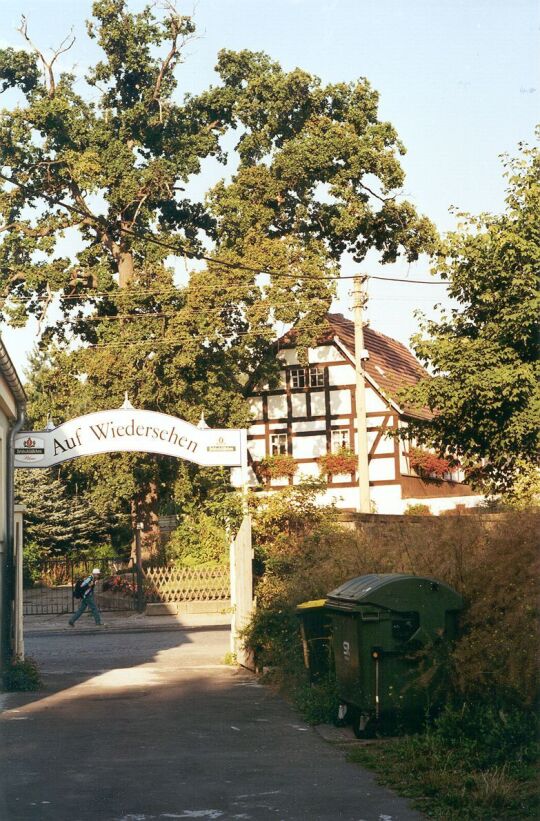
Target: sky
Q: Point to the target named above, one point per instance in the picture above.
(458, 79)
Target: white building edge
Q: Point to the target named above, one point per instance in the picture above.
(312, 412)
(12, 405)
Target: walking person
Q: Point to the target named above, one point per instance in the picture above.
(86, 588)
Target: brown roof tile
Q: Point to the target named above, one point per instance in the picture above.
(391, 365)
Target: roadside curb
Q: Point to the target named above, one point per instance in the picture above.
(95, 631)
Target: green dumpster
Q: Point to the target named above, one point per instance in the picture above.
(315, 633)
(378, 623)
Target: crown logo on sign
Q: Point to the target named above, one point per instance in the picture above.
(29, 443)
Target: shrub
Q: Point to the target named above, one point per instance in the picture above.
(198, 539)
(489, 734)
(33, 555)
(418, 510)
(22, 676)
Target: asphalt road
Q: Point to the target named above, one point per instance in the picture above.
(137, 726)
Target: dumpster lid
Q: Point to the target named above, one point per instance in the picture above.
(316, 604)
(399, 591)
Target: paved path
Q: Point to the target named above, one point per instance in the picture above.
(138, 724)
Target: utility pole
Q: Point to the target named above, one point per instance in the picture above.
(360, 300)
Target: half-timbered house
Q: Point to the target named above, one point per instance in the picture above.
(312, 413)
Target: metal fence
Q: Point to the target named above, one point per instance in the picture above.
(117, 589)
(52, 590)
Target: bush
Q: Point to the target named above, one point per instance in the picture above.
(199, 539)
(22, 676)
(418, 510)
(487, 734)
(33, 555)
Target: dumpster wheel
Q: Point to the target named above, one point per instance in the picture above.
(363, 724)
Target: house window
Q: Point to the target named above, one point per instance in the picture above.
(340, 439)
(278, 443)
(316, 377)
(300, 377)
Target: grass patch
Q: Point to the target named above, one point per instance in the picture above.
(22, 676)
(452, 773)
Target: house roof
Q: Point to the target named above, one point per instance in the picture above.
(7, 369)
(390, 365)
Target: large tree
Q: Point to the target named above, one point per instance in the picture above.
(483, 354)
(314, 174)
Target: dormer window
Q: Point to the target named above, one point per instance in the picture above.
(314, 377)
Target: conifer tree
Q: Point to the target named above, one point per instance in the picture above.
(57, 523)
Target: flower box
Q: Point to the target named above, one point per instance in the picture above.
(280, 465)
(344, 461)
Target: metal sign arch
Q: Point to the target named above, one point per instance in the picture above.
(127, 429)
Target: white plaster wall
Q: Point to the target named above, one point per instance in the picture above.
(277, 406)
(308, 470)
(375, 421)
(440, 503)
(386, 445)
(374, 401)
(323, 353)
(8, 406)
(381, 469)
(256, 430)
(308, 447)
(318, 405)
(341, 375)
(309, 425)
(387, 499)
(298, 403)
(256, 407)
(257, 449)
(340, 401)
(288, 356)
(4, 438)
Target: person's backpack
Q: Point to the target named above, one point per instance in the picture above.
(79, 589)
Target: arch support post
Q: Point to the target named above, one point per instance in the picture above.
(241, 558)
(241, 569)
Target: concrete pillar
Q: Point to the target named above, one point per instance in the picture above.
(241, 558)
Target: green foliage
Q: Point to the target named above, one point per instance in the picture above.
(33, 556)
(318, 702)
(198, 539)
(300, 545)
(418, 509)
(483, 355)
(488, 734)
(277, 466)
(317, 175)
(476, 762)
(344, 461)
(273, 636)
(55, 524)
(22, 676)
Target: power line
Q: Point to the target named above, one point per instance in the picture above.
(188, 252)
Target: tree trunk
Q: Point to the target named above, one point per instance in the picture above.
(125, 266)
(145, 510)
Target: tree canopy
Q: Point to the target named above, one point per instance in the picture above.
(483, 354)
(108, 164)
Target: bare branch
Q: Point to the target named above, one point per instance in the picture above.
(47, 64)
(48, 301)
(44, 231)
